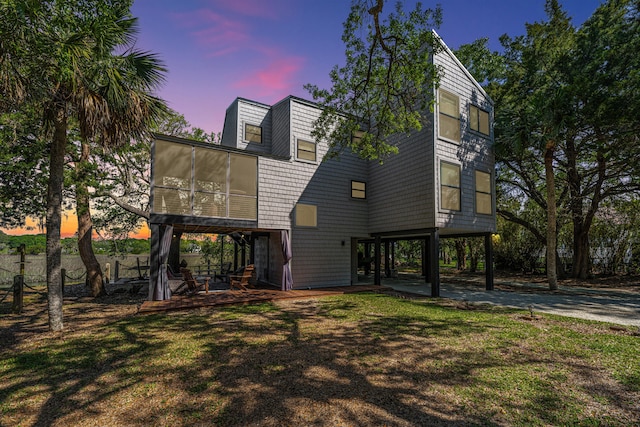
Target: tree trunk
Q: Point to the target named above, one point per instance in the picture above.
(85, 226)
(581, 256)
(54, 221)
(473, 257)
(461, 253)
(552, 275)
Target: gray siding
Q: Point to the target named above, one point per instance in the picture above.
(258, 115)
(319, 256)
(474, 151)
(281, 121)
(230, 128)
(401, 189)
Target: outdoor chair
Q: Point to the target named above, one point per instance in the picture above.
(241, 282)
(224, 272)
(190, 284)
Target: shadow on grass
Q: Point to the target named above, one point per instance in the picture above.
(352, 360)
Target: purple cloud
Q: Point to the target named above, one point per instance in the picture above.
(276, 80)
(256, 8)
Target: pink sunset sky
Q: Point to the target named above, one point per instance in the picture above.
(265, 50)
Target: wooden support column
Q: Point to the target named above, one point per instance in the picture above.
(243, 253)
(393, 254)
(426, 261)
(252, 249)
(174, 252)
(434, 245)
(154, 258)
(377, 279)
(221, 237)
(488, 261)
(387, 258)
(235, 255)
(424, 258)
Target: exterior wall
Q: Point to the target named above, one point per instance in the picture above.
(475, 151)
(258, 115)
(230, 128)
(281, 122)
(243, 111)
(319, 256)
(401, 189)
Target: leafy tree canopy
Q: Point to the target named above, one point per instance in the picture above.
(386, 83)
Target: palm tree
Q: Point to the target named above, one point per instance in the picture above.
(73, 59)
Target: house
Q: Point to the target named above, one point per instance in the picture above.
(267, 182)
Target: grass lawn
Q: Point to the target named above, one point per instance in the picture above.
(352, 360)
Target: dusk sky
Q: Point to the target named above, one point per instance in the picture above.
(265, 50)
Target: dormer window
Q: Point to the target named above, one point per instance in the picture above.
(252, 133)
(306, 150)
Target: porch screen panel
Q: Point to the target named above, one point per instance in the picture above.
(243, 207)
(171, 201)
(172, 178)
(210, 183)
(172, 165)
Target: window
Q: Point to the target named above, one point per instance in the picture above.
(358, 190)
(449, 116)
(483, 193)
(479, 120)
(449, 186)
(252, 133)
(306, 150)
(306, 215)
(206, 182)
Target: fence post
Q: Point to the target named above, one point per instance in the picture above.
(116, 274)
(22, 249)
(18, 293)
(63, 278)
(107, 272)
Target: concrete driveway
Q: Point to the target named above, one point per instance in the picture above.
(618, 307)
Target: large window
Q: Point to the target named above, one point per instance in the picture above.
(449, 186)
(449, 115)
(306, 215)
(306, 150)
(483, 193)
(252, 133)
(479, 120)
(199, 181)
(358, 190)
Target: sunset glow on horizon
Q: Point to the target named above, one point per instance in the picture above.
(69, 228)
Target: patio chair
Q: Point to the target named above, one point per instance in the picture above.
(241, 282)
(190, 284)
(224, 272)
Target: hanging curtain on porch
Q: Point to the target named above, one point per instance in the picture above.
(162, 290)
(287, 279)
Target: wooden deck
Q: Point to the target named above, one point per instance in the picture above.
(221, 298)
